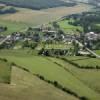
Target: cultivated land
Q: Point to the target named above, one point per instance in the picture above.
(27, 17)
(25, 86)
(54, 72)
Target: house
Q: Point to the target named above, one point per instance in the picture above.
(91, 36)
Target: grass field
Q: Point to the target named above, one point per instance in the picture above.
(88, 77)
(67, 28)
(98, 52)
(5, 71)
(85, 61)
(27, 17)
(25, 86)
(51, 71)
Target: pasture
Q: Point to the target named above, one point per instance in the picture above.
(85, 61)
(5, 72)
(50, 70)
(67, 28)
(25, 86)
(87, 76)
(26, 17)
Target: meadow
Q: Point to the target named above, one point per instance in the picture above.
(25, 17)
(5, 70)
(85, 61)
(87, 76)
(25, 86)
(67, 28)
(52, 71)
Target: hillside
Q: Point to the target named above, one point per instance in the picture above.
(36, 4)
(25, 86)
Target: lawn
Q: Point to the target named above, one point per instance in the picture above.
(43, 66)
(5, 72)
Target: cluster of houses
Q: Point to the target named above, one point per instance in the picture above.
(92, 36)
(45, 35)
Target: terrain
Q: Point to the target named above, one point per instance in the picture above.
(39, 51)
(24, 18)
(71, 77)
(36, 4)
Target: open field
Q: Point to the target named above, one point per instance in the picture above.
(87, 76)
(85, 61)
(67, 28)
(48, 69)
(27, 17)
(98, 52)
(25, 86)
(4, 72)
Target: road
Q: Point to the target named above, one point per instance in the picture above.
(90, 51)
(5, 40)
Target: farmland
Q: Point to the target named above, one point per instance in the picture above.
(4, 72)
(85, 61)
(50, 70)
(26, 17)
(67, 28)
(87, 76)
(26, 86)
(44, 63)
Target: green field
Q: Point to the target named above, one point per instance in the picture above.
(85, 61)
(50, 70)
(12, 27)
(25, 86)
(5, 71)
(87, 76)
(64, 25)
(25, 18)
(98, 52)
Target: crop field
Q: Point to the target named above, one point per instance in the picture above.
(57, 46)
(50, 70)
(26, 17)
(87, 76)
(4, 72)
(25, 86)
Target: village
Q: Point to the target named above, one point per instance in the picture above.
(51, 39)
